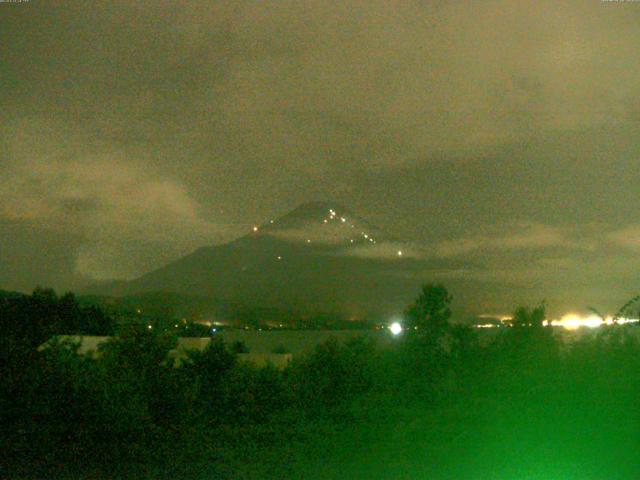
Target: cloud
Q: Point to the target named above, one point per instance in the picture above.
(386, 250)
(129, 127)
(627, 237)
(523, 236)
(381, 83)
(127, 216)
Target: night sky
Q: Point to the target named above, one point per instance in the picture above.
(500, 139)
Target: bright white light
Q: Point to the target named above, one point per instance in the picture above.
(395, 328)
(149, 327)
(343, 219)
(308, 240)
(627, 320)
(255, 229)
(573, 321)
(399, 253)
(279, 257)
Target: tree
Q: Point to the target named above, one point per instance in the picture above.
(333, 373)
(526, 317)
(629, 309)
(531, 347)
(430, 312)
(239, 347)
(96, 322)
(28, 321)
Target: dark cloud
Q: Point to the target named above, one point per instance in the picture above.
(142, 130)
(32, 254)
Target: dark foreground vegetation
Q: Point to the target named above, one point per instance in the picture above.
(440, 404)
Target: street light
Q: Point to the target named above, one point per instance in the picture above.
(395, 328)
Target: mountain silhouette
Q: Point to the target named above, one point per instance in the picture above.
(320, 257)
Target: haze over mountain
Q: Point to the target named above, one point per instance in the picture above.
(320, 257)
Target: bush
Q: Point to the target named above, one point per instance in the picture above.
(333, 374)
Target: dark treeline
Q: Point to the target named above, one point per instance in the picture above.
(99, 315)
(440, 403)
(29, 320)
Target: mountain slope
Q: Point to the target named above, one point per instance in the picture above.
(319, 257)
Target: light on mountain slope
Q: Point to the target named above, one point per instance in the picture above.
(327, 226)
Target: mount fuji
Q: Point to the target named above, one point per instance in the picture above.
(320, 257)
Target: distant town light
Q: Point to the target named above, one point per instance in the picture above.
(395, 328)
(572, 321)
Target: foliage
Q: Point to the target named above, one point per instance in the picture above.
(280, 349)
(239, 347)
(529, 317)
(333, 373)
(26, 321)
(430, 313)
(521, 403)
